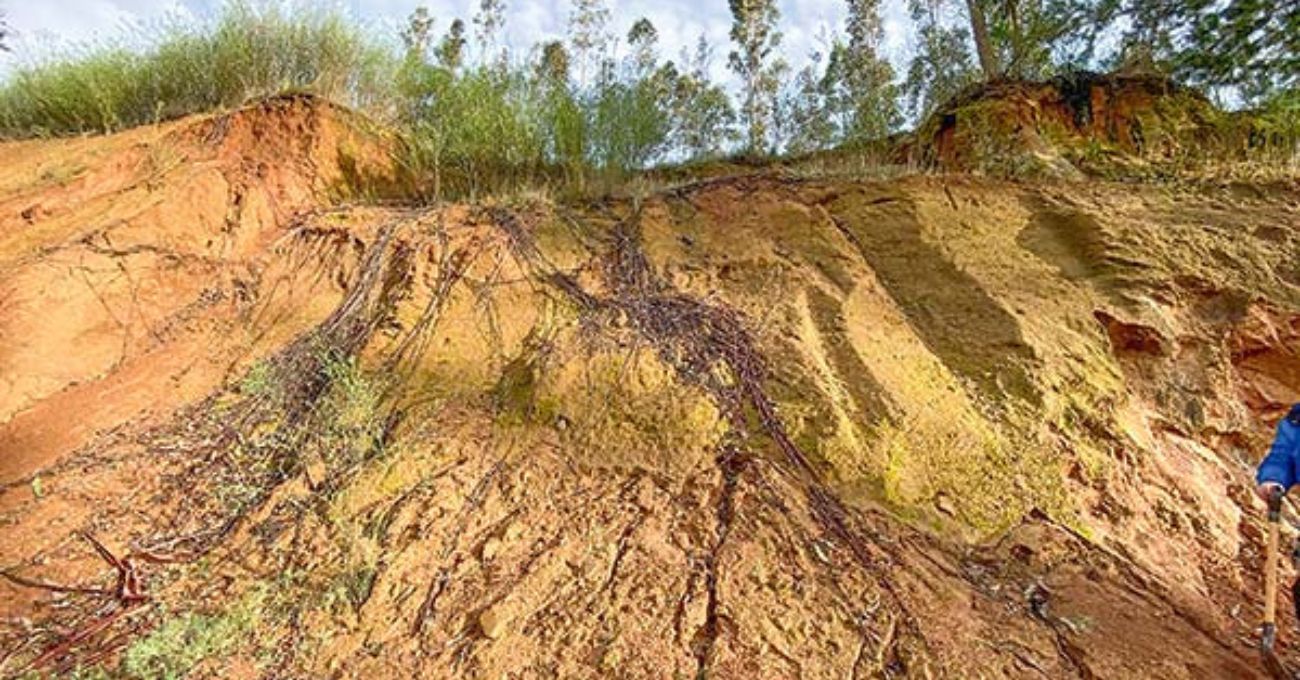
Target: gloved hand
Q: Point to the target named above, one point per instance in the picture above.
(1267, 489)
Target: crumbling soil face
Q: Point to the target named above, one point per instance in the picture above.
(752, 427)
(125, 272)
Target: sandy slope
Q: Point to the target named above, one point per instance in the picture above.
(750, 427)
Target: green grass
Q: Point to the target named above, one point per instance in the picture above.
(245, 53)
(259, 380)
(492, 128)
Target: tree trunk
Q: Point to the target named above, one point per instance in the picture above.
(983, 43)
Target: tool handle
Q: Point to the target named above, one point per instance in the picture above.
(1270, 565)
(1270, 575)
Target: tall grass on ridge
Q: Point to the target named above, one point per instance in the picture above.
(246, 52)
(488, 121)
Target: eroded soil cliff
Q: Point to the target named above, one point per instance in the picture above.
(756, 426)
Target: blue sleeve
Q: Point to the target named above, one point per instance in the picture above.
(1279, 465)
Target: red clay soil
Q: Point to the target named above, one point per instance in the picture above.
(123, 265)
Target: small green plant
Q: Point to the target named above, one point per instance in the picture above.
(237, 494)
(181, 643)
(352, 586)
(92, 673)
(349, 417)
(259, 380)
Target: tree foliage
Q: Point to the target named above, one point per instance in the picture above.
(489, 24)
(859, 81)
(807, 117)
(703, 116)
(1028, 39)
(5, 33)
(418, 33)
(643, 40)
(1252, 44)
(589, 36)
(852, 99)
(941, 64)
(754, 59)
(451, 51)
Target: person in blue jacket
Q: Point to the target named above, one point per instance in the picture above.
(1278, 469)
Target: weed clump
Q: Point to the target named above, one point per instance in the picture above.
(351, 416)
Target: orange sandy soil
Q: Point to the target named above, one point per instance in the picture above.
(939, 426)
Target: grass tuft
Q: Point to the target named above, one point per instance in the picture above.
(245, 53)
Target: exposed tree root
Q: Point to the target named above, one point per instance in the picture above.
(302, 376)
(125, 597)
(731, 463)
(449, 549)
(710, 346)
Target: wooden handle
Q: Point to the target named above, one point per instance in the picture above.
(1270, 575)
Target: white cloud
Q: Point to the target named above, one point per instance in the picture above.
(44, 22)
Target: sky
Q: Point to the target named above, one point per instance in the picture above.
(43, 25)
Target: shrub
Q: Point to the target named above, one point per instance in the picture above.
(630, 125)
(472, 133)
(1277, 134)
